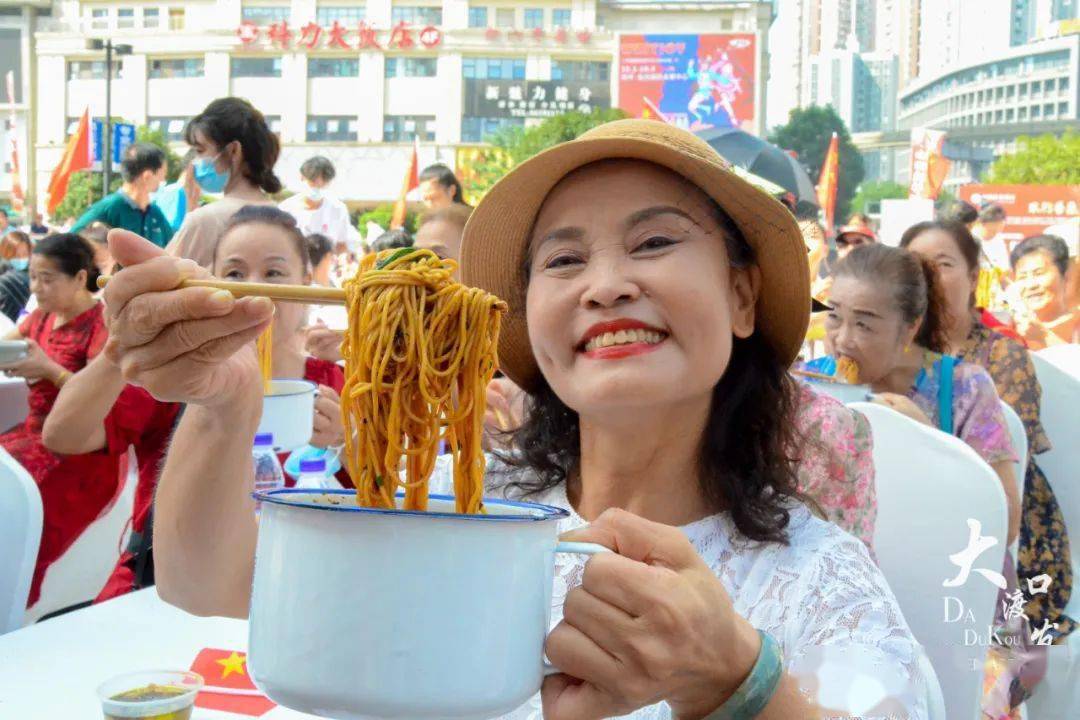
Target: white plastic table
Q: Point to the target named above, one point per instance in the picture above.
(52, 669)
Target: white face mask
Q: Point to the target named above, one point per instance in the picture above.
(315, 194)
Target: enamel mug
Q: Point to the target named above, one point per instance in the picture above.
(376, 613)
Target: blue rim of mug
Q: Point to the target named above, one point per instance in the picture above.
(282, 497)
(308, 387)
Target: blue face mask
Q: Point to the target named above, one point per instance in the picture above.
(20, 263)
(208, 176)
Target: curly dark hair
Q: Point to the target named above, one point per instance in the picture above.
(749, 445)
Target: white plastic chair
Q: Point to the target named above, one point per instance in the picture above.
(1064, 357)
(1061, 464)
(1057, 697)
(14, 402)
(79, 574)
(20, 536)
(929, 484)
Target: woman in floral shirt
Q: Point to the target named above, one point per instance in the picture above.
(1044, 544)
(835, 464)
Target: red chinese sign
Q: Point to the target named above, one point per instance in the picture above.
(339, 37)
(537, 35)
(1029, 209)
(401, 36)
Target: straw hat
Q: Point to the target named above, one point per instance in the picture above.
(496, 238)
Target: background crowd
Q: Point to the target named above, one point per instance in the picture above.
(941, 327)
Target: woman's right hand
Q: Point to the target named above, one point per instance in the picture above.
(190, 345)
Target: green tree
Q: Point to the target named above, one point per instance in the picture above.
(84, 188)
(1042, 160)
(381, 215)
(870, 194)
(517, 144)
(808, 132)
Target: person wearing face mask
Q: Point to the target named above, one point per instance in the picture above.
(143, 169)
(15, 283)
(316, 212)
(235, 153)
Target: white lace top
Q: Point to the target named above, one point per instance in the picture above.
(821, 597)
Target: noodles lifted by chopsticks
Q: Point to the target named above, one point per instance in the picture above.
(419, 353)
(847, 370)
(264, 346)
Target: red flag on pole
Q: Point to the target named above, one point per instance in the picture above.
(826, 187)
(76, 157)
(411, 182)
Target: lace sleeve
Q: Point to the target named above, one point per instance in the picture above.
(853, 636)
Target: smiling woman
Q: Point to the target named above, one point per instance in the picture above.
(655, 301)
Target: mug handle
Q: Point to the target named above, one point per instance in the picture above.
(577, 548)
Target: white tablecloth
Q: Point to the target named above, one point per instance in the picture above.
(13, 407)
(52, 669)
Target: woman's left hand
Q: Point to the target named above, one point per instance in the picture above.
(328, 430)
(35, 366)
(903, 405)
(650, 622)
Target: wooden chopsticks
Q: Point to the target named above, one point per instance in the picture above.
(311, 295)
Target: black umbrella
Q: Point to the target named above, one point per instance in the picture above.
(762, 159)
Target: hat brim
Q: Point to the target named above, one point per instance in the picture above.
(496, 239)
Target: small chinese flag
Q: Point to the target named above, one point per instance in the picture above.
(826, 187)
(227, 669)
(411, 182)
(76, 157)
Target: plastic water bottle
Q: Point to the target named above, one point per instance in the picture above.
(313, 476)
(268, 472)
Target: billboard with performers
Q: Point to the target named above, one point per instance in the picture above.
(1029, 209)
(693, 81)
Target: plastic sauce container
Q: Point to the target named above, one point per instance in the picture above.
(150, 695)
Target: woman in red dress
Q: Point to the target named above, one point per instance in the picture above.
(64, 333)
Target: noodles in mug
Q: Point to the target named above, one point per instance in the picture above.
(419, 353)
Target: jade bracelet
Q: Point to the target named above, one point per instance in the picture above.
(757, 689)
